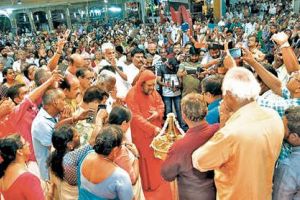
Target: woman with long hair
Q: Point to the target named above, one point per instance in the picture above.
(99, 177)
(128, 156)
(15, 180)
(64, 160)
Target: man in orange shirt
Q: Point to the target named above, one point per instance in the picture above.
(243, 153)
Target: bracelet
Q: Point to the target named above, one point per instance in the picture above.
(59, 52)
(284, 45)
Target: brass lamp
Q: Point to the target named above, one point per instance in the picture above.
(170, 133)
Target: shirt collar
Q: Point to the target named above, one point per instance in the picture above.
(215, 103)
(296, 149)
(198, 129)
(45, 114)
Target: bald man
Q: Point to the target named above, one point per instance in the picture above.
(76, 61)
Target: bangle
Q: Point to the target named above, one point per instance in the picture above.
(59, 52)
(284, 45)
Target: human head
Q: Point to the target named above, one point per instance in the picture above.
(212, 88)
(108, 51)
(138, 56)
(71, 87)
(152, 48)
(41, 76)
(77, 61)
(8, 74)
(54, 99)
(107, 81)
(194, 54)
(147, 82)
(193, 108)
(13, 148)
(65, 138)
(163, 53)
(85, 77)
(214, 51)
(29, 71)
(17, 92)
(121, 116)
(177, 48)
(291, 122)
(108, 141)
(239, 88)
(94, 96)
(293, 84)
(252, 41)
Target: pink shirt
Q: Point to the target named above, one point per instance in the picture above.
(19, 121)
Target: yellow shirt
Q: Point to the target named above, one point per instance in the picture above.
(243, 154)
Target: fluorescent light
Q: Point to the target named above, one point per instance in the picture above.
(9, 11)
(114, 9)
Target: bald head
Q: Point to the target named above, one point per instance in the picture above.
(77, 61)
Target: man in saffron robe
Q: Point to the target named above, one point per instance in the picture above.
(147, 110)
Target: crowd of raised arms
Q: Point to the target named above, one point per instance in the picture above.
(80, 107)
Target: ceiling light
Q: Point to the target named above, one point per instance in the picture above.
(19, 2)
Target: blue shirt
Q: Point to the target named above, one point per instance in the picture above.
(287, 177)
(280, 106)
(213, 114)
(42, 130)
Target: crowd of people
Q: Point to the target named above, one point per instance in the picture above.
(79, 109)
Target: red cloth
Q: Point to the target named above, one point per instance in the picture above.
(26, 186)
(143, 131)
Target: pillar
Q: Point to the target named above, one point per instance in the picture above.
(31, 21)
(68, 18)
(142, 10)
(219, 9)
(296, 6)
(13, 22)
(49, 18)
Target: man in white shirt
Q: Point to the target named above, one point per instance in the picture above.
(122, 84)
(136, 67)
(17, 66)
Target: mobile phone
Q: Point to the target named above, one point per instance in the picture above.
(62, 68)
(200, 70)
(235, 52)
(101, 106)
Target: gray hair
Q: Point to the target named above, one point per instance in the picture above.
(105, 76)
(106, 46)
(50, 95)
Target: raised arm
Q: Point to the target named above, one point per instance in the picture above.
(60, 45)
(39, 91)
(269, 79)
(288, 54)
